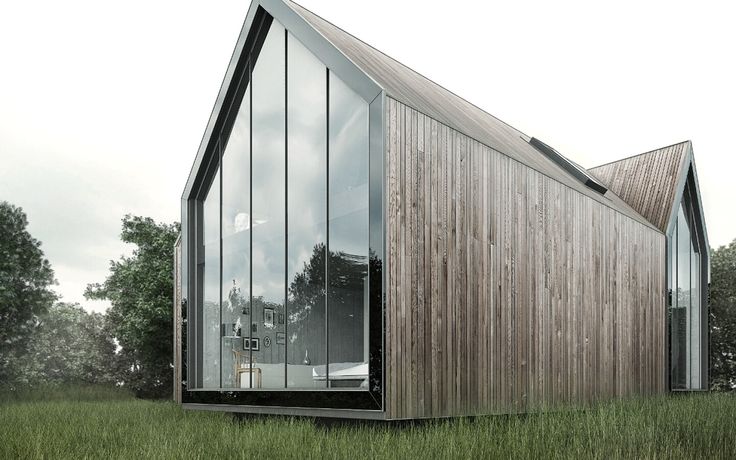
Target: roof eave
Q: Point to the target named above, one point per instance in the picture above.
(217, 108)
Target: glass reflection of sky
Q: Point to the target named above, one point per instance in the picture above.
(307, 198)
(268, 167)
(269, 193)
(348, 169)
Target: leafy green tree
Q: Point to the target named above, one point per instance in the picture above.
(26, 278)
(69, 346)
(140, 289)
(722, 311)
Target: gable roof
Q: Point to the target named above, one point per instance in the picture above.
(649, 181)
(654, 182)
(370, 72)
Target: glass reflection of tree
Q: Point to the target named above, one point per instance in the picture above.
(237, 300)
(307, 306)
(259, 305)
(240, 304)
(679, 323)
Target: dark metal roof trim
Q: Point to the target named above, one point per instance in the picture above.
(568, 165)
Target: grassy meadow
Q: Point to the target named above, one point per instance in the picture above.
(104, 423)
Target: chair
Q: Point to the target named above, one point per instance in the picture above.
(242, 365)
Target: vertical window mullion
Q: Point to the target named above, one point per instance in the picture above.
(250, 222)
(286, 207)
(327, 229)
(690, 301)
(223, 332)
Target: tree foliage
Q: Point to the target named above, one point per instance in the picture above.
(26, 278)
(69, 346)
(347, 274)
(140, 289)
(722, 311)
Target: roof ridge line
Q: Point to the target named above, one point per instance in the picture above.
(411, 69)
(637, 155)
(318, 22)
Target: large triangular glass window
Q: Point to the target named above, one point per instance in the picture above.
(283, 259)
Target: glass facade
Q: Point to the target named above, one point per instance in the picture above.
(283, 253)
(210, 274)
(235, 243)
(347, 264)
(685, 303)
(269, 209)
(307, 175)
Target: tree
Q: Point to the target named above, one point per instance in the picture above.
(722, 311)
(140, 289)
(69, 346)
(26, 278)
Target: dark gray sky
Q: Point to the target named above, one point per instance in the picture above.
(103, 105)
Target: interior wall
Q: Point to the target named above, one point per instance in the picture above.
(507, 291)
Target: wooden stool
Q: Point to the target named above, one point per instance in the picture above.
(257, 377)
(242, 365)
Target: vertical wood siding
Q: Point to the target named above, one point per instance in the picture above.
(508, 291)
(647, 182)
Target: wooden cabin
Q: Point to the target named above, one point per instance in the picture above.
(359, 242)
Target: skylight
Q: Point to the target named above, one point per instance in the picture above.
(568, 165)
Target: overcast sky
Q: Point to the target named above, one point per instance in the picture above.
(103, 104)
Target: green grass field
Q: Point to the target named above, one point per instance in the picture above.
(102, 423)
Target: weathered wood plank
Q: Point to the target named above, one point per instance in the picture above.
(508, 290)
(176, 309)
(647, 182)
(392, 328)
(427, 239)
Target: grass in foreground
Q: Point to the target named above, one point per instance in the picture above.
(94, 423)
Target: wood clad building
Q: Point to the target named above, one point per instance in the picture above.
(357, 241)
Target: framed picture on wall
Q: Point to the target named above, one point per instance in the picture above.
(251, 344)
(230, 329)
(280, 338)
(268, 317)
